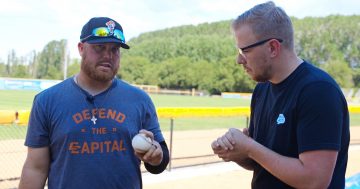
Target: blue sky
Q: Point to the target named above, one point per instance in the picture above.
(28, 25)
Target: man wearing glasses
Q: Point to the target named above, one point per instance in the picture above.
(80, 131)
(298, 135)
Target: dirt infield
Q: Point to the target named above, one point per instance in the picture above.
(193, 145)
(231, 179)
(186, 143)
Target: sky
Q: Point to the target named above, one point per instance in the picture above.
(28, 25)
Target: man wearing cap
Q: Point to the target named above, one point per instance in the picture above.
(80, 130)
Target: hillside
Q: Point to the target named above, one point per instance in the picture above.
(203, 56)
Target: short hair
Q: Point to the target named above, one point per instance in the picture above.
(268, 21)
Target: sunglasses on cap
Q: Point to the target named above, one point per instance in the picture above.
(105, 32)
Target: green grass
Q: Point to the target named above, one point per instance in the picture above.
(355, 120)
(196, 101)
(16, 100)
(203, 123)
(199, 123)
(12, 132)
(22, 100)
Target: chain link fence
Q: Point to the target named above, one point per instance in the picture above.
(12, 154)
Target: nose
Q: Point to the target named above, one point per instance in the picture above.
(240, 59)
(108, 53)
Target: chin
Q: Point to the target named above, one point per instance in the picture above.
(104, 76)
(261, 80)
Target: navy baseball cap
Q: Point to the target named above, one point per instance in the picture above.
(103, 30)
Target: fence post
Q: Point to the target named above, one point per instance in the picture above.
(171, 142)
(247, 122)
(16, 117)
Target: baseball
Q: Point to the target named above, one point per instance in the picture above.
(141, 143)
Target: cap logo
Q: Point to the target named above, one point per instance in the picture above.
(111, 26)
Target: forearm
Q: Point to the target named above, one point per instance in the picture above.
(164, 162)
(247, 163)
(292, 171)
(36, 168)
(32, 179)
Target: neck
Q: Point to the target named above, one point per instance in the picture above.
(92, 86)
(284, 67)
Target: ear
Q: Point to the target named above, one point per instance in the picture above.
(81, 48)
(275, 47)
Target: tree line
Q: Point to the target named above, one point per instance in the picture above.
(203, 56)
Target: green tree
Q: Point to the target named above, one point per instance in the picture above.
(133, 69)
(203, 56)
(175, 74)
(356, 77)
(341, 72)
(12, 62)
(3, 72)
(20, 71)
(50, 60)
(73, 68)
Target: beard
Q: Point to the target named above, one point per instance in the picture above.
(265, 76)
(265, 71)
(90, 70)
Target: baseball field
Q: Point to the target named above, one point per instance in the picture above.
(193, 165)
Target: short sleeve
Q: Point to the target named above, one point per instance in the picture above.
(321, 116)
(151, 121)
(38, 130)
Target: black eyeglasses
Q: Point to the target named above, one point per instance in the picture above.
(241, 50)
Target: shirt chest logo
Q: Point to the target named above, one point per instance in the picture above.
(281, 119)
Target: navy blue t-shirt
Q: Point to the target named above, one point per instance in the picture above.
(305, 112)
(88, 155)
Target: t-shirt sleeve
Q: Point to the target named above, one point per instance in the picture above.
(38, 132)
(151, 121)
(321, 116)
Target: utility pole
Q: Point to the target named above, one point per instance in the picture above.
(66, 59)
